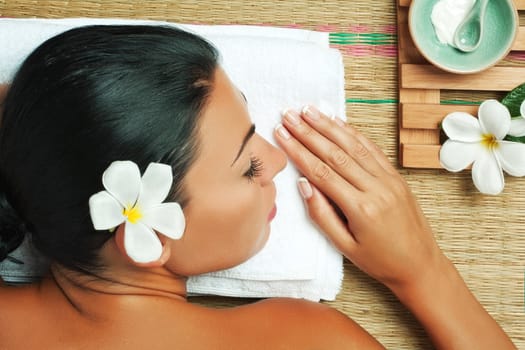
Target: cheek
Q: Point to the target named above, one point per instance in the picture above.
(223, 233)
(239, 222)
(237, 212)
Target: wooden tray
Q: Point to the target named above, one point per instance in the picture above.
(420, 86)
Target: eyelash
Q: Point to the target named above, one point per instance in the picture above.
(256, 167)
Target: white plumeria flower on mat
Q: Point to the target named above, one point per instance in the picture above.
(517, 125)
(138, 203)
(480, 141)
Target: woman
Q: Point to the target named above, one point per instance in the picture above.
(91, 109)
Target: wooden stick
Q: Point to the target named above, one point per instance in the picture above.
(416, 136)
(429, 116)
(407, 51)
(520, 4)
(404, 3)
(420, 156)
(416, 76)
(519, 44)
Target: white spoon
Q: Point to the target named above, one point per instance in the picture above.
(469, 32)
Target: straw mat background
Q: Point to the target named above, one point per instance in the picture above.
(483, 235)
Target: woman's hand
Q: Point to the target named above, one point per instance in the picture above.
(376, 222)
(378, 225)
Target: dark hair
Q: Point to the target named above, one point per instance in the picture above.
(86, 98)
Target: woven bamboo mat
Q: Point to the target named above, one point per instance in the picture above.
(484, 236)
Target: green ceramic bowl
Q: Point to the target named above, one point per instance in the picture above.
(499, 33)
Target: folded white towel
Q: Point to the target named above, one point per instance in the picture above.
(275, 68)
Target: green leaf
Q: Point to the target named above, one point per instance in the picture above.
(514, 99)
(520, 139)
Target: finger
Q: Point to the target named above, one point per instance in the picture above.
(326, 217)
(328, 152)
(347, 141)
(374, 149)
(341, 191)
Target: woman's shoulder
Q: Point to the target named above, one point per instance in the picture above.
(11, 296)
(290, 309)
(267, 324)
(34, 316)
(271, 323)
(299, 324)
(19, 315)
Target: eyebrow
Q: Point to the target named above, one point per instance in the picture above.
(247, 137)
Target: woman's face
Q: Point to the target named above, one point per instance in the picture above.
(230, 187)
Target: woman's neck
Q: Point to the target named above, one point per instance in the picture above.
(90, 294)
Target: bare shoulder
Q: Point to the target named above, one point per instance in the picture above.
(16, 304)
(269, 324)
(302, 324)
(15, 299)
(10, 295)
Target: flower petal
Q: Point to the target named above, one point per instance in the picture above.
(156, 184)
(105, 210)
(511, 156)
(494, 118)
(141, 243)
(166, 218)
(461, 126)
(122, 180)
(522, 109)
(456, 156)
(517, 127)
(487, 174)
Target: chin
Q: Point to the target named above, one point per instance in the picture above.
(259, 243)
(263, 238)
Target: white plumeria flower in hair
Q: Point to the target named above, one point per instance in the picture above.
(517, 125)
(480, 141)
(138, 203)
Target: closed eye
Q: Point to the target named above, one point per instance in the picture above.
(256, 168)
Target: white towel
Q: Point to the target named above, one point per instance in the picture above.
(275, 68)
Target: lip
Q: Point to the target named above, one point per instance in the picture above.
(272, 214)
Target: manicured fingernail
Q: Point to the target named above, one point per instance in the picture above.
(281, 130)
(311, 112)
(291, 116)
(304, 187)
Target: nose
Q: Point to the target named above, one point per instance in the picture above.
(276, 161)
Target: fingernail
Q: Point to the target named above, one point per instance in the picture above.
(291, 116)
(304, 187)
(311, 112)
(281, 130)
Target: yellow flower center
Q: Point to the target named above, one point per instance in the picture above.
(490, 141)
(132, 213)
